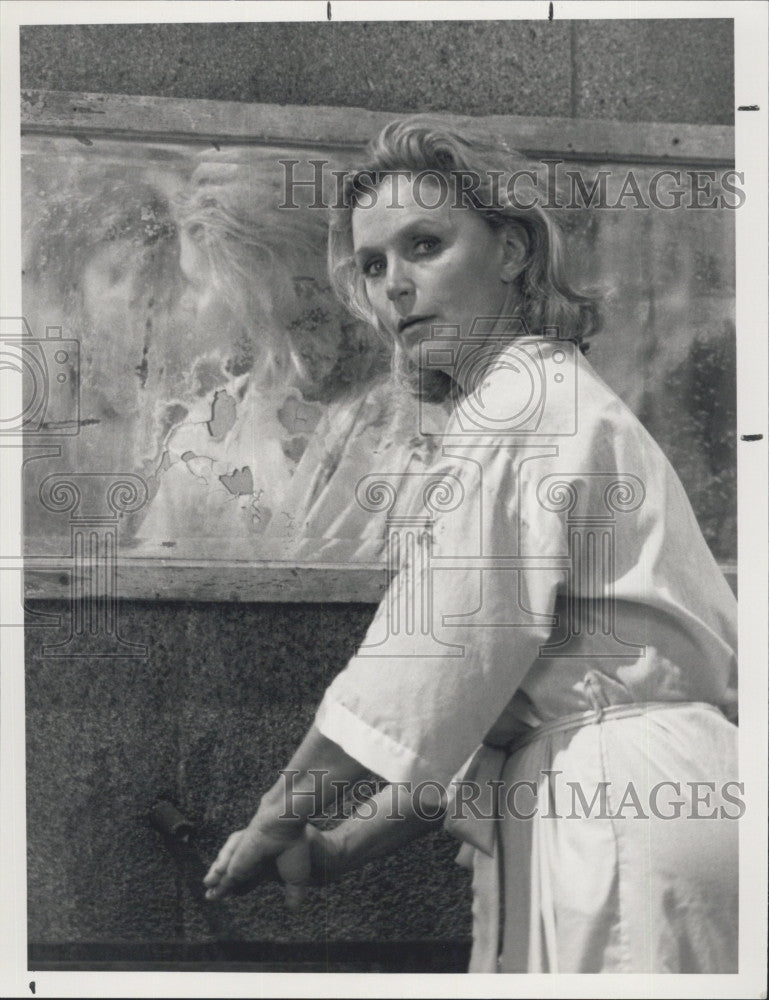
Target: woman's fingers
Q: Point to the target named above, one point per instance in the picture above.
(236, 866)
(239, 865)
(324, 855)
(219, 867)
(294, 897)
(294, 869)
(246, 860)
(253, 856)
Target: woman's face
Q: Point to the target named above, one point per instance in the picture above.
(424, 266)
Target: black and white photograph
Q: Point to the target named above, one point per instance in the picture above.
(383, 432)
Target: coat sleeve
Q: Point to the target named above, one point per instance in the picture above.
(421, 693)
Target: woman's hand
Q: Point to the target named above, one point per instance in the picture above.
(322, 856)
(314, 858)
(248, 857)
(300, 855)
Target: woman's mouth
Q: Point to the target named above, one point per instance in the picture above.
(414, 323)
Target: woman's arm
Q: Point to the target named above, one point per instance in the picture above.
(278, 843)
(303, 789)
(388, 820)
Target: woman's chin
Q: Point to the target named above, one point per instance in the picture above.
(413, 353)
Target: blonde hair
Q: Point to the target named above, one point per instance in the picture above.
(548, 302)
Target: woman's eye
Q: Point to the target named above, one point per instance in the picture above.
(373, 268)
(426, 244)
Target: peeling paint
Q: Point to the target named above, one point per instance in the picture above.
(298, 416)
(294, 448)
(239, 483)
(223, 414)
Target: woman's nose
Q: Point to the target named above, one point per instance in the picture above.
(399, 284)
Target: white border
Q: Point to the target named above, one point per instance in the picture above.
(750, 17)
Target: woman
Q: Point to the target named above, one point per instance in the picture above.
(580, 636)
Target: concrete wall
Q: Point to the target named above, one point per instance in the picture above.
(205, 721)
(672, 71)
(228, 689)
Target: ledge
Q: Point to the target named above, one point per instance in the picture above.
(224, 580)
(213, 580)
(167, 119)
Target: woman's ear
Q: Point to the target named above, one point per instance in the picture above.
(515, 248)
